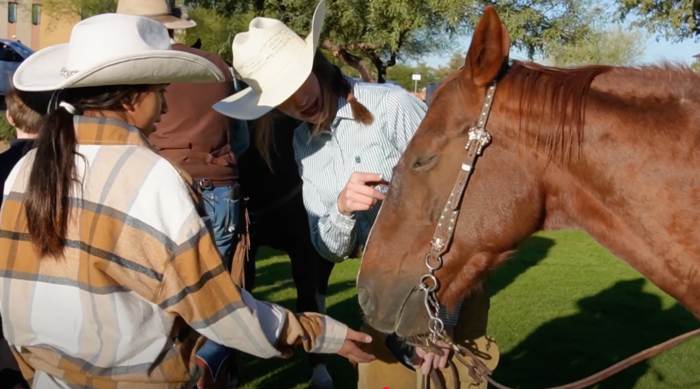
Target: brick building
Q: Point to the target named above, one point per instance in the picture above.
(27, 21)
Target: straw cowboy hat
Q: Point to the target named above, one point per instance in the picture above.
(274, 61)
(158, 10)
(113, 49)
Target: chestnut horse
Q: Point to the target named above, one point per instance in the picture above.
(613, 151)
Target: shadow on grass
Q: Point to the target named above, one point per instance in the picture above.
(265, 252)
(530, 252)
(611, 326)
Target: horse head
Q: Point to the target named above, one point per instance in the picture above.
(395, 255)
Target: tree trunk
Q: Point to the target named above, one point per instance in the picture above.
(381, 65)
(381, 73)
(350, 59)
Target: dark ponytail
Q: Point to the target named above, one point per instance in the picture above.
(53, 174)
(50, 183)
(333, 86)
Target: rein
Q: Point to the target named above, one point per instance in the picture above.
(479, 138)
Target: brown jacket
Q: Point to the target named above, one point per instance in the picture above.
(192, 133)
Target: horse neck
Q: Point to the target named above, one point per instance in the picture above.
(612, 186)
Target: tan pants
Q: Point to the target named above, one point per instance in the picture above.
(387, 372)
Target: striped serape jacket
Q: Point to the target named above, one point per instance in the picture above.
(141, 284)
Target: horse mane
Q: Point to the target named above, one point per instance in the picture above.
(554, 99)
(551, 98)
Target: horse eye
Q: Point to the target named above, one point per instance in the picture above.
(423, 162)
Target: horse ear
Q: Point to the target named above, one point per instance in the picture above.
(506, 42)
(489, 49)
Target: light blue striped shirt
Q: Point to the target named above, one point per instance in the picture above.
(327, 160)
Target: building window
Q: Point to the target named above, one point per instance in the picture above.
(36, 14)
(12, 12)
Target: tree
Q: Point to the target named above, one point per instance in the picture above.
(604, 43)
(62, 9)
(695, 66)
(613, 46)
(373, 35)
(454, 64)
(402, 75)
(677, 20)
(214, 29)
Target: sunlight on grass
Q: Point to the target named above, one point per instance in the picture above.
(562, 309)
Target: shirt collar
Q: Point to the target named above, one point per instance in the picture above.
(22, 141)
(107, 131)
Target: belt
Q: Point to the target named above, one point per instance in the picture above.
(206, 183)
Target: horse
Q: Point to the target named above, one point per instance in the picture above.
(612, 151)
(278, 219)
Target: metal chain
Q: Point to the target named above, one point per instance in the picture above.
(432, 305)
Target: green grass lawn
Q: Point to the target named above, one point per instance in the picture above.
(556, 320)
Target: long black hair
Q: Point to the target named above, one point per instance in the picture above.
(53, 172)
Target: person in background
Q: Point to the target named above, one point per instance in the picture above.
(197, 138)
(24, 112)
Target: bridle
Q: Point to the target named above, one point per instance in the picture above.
(479, 138)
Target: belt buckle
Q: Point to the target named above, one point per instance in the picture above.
(205, 183)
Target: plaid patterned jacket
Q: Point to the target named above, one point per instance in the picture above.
(142, 282)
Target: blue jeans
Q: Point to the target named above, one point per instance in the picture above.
(222, 212)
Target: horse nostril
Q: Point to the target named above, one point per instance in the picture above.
(365, 301)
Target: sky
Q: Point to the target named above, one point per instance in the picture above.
(655, 51)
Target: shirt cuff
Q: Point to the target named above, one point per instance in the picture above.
(343, 221)
(332, 338)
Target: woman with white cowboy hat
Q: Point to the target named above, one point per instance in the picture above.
(109, 277)
(352, 136)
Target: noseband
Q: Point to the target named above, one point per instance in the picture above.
(478, 139)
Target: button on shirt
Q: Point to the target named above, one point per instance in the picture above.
(327, 160)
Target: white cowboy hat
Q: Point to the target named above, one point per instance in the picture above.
(158, 10)
(274, 61)
(113, 49)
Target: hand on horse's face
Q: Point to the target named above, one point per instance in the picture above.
(359, 194)
(350, 350)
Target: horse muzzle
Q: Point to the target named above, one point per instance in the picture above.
(398, 309)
